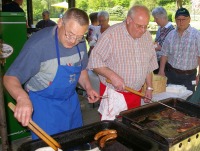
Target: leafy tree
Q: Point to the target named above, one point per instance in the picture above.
(149, 3)
(124, 3)
(82, 4)
(97, 4)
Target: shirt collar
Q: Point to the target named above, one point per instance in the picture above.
(187, 30)
(168, 24)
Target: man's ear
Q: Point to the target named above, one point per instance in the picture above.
(128, 20)
(60, 22)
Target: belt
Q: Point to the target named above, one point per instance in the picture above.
(181, 71)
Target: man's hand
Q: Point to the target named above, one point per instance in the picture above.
(117, 82)
(23, 111)
(93, 96)
(148, 94)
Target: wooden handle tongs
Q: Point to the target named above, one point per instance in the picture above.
(141, 94)
(40, 132)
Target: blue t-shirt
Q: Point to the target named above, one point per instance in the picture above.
(37, 63)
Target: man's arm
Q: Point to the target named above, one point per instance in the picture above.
(116, 80)
(149, 89)
(84, 81)
(163, 61)
(198, 74)
(24, 109)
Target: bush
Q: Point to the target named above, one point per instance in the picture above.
(170, 15)
(116, 18)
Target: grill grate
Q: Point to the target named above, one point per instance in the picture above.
(174, 143)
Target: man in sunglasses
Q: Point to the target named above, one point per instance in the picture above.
(50, 64)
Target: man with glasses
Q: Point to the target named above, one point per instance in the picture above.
(181, 49)
(126, 56)
(50, 64)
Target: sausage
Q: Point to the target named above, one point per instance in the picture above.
(103, 133)
(184, 127)
(178, 116)
(107, 138)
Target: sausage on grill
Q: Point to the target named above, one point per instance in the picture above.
(107, 138)
(103, 133)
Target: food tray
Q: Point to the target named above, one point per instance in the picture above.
(70, 140)
(130, 118)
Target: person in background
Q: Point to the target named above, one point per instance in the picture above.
(13, 6)
(181, 49)
(125, 55)
(60, 59)
(92, 31)
(161, 18)
(46, 22)
(103, 18)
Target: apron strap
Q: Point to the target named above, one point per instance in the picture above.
(57, 48)
(79, 53)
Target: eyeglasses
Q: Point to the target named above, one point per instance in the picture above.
(138, 26)
(71, 36)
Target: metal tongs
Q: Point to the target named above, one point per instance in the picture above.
(142, 95)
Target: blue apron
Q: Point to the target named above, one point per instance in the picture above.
(57, 107)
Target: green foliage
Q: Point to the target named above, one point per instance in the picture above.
(83, 4)
(170, 15)
(118, 11)
(116, 18)
(116, 8)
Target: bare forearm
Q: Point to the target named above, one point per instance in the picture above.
(105, 72)
(117, 81)
(84, 80)
(14, 87)
(163, 61)
(149, 80)
(199, 64)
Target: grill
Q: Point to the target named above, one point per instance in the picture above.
(165, 130)
(78, 139)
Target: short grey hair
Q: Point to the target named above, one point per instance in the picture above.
(76, 14)
(45, 12)
(103, 13)
(159, 12)
(132, 11)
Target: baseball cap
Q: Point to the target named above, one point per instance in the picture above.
(182, 12)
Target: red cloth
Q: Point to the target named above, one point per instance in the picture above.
(132, 100)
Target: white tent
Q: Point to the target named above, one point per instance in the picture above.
(63, 4)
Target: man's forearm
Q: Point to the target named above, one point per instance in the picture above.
(14, 87)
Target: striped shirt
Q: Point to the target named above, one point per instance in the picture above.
(182, 51)
(132, 59)
(161, 34)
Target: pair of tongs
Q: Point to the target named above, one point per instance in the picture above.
(40, 132)
(142, 95)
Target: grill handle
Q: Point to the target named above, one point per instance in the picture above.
(137, 126)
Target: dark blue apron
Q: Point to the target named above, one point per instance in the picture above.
(57, 107)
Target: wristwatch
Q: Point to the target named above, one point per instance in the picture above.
(150, 88)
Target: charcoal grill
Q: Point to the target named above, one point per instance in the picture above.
(138, 119)
(127, 140)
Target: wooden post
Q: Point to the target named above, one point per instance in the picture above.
(179, 4)
(3, 124)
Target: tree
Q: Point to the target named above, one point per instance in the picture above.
(83, 4)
